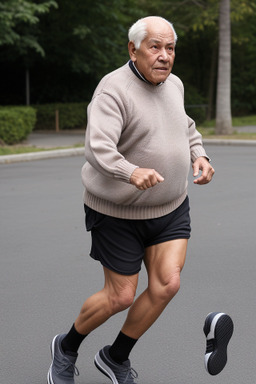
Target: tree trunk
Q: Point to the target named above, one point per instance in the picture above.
(27, 88)
(223, 102)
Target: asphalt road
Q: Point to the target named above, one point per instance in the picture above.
(46, 274)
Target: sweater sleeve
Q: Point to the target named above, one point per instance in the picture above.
(106, 120)
(195, 141)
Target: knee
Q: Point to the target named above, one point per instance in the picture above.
(173, 286)
(122, 300)
(167, 288)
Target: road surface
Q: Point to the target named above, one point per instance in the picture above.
(46, 274)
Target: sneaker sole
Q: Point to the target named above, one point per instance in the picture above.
(218, 329)
(104, 368)
(49, 375)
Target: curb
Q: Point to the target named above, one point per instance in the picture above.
(51, 154)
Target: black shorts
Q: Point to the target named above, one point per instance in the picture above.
(119, 244)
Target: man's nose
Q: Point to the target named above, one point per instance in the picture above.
(163, 55)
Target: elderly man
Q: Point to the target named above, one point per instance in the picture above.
(139, 146)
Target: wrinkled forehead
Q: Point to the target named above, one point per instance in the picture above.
(159, 30)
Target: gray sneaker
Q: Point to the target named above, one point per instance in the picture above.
(118, 373)
(62, 369)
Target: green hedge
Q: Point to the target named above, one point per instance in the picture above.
(71, 116)
(16, 123)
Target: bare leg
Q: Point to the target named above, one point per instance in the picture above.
(118, 294)
(164, 263)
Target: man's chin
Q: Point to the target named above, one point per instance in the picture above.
(160, 76)
(160, 79)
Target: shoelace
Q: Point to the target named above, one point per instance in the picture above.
(130, 374)
(66, 365)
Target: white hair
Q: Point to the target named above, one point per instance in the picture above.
(138, 31)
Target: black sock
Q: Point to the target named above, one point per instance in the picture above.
(121, 348)
(72, 340)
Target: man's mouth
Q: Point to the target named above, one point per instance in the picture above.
(161, 69)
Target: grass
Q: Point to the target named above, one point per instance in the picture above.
(208, 133)
(236, 122)
(207, 129)
(17, 149)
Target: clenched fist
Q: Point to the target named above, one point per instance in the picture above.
(144, 178)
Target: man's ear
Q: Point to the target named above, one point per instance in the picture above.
(132, 51)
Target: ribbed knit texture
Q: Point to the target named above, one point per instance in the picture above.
(134, 124)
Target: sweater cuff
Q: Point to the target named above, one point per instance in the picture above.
(124, 170)
(199, 152)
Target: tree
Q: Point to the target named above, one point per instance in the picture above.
(77, 43)
(83, 41)
(223, 100)
(95, 34)
(18, 20)
(197, 47)
(15, 17)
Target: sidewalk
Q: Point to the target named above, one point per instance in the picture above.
(65, 138)
(54, 139)
(71, 143)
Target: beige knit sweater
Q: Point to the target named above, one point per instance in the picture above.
(134, 124)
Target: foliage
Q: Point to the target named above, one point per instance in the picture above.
(197, 46)
(17, 21)
(95, 35)
(244, 69)
(83, 40)
(200, 14)
(71, 116)
(16, 123)
(195, 104)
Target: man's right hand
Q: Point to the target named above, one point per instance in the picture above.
(144, 178)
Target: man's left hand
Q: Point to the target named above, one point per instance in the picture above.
(202, 164)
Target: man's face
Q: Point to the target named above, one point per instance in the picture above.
(155, 57)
